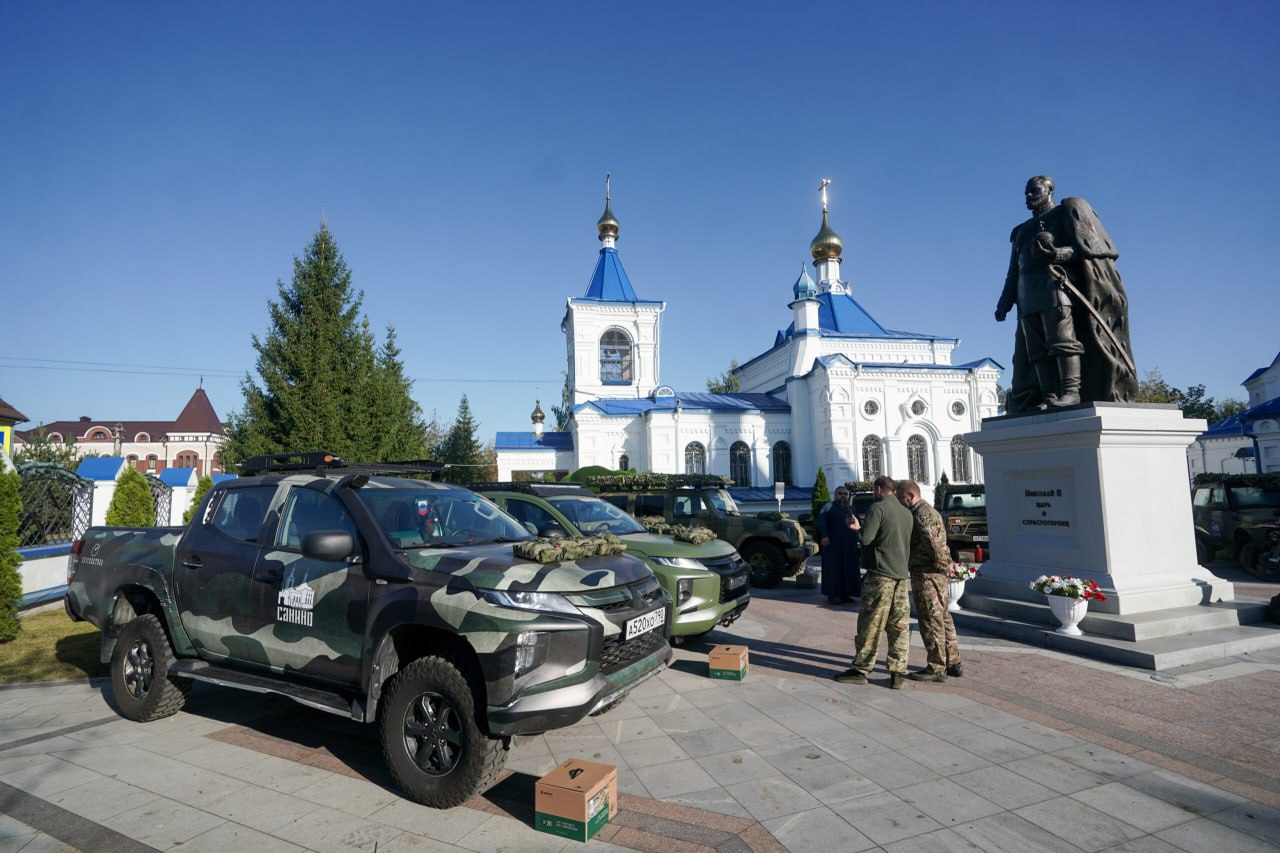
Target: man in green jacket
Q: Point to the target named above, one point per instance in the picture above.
(886, 607)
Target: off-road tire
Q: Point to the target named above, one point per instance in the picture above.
(431, 736)
(140, 682)
(767, 563)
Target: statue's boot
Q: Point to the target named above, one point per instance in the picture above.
(1069, 374)
(1048, 379)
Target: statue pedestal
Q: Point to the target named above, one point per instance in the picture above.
(1099, 491)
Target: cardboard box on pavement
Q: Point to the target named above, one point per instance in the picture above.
(728, 663)
(576, 799)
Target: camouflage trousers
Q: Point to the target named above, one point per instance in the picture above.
(937, 630)
(885, 608)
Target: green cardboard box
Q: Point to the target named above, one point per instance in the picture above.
(728, 663)
(576, 799)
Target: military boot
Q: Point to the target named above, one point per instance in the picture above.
(1047, 377)
(1069, 374)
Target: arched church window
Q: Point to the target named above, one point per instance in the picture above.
(695, 458)
(740, 464)
(615, 358)
(782, 463)
(624, 462)
(872, 458)
(960, 461)
(917, 459)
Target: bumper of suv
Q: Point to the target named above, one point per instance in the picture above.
(564, 706)
(801, 553)
(709, 615)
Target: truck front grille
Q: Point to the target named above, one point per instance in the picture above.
(619, 652)
(729, 568)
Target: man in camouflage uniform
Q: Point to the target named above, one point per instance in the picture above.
(886, 543)
(930, 558)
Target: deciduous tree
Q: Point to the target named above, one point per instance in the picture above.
(727, 382)
(203, 485)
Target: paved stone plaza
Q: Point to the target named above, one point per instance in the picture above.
(1031, 750)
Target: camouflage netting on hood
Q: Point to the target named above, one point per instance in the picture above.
(772, 515)
(561, 550)
(692, 535)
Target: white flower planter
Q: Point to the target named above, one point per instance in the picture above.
(1069, 611)
(955, 589)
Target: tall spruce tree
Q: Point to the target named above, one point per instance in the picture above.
(325, 384)
(461, 448)
(10, 579)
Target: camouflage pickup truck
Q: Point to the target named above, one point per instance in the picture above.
(773, 546)
(964, 509)
(381, 598)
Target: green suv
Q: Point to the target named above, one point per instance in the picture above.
(707, 582)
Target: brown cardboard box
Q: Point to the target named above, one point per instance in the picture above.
(728, 663)
(576, 799)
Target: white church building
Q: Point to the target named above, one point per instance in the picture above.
(837, 390)
(1248, 442)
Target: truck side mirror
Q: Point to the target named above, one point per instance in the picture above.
(553, 531)
(330, 546)
(531, 527)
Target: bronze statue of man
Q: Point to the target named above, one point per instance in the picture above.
(1072, 343)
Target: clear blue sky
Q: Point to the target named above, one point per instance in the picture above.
(164, 163)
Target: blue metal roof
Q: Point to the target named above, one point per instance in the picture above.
(1262, 370)
(528, 441)
(828, 360)
(792, 494)
(100, 467)
(178, 476)
(609, 282)
(218, 478)
(840, 315)
(1238, 424)
(690, 401)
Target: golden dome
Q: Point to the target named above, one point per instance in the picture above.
(537, 416)
(607, 226)
(827, 244)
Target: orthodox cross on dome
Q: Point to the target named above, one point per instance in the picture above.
(607, 226)
(823, 190)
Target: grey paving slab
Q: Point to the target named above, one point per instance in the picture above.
(536, 766)
(1004, 787)
(502, 833)
(409, 843)
(1009, 832)
(353, 796)
(684, 722)
(884, 818)
(674, 777)
(11, 828)
(890, 770)
(1052, 772)
(1145, 844)
(166, 777)
(796, 756)
(630, 728)
(1105, 762)
(707, 742)
(36, 842)
(278, 774)
(945, 759)
(1204, 834)
(938, 841)
(1134, 807)
(650, 751)
(332, 831)
(233, 837)
(817, 830)
(993, 746)
(1041, 738)
(163, 823)
(810, 723)
(947, 802)
(1252, 819)
(729, 768)
(834, 783)
(713, 800)
(446, 825)
(1080, 824)
(221, 757)
(1189, 795)
(263, 810)
(849, 744)
(101, 798)
(629, 783)
(772, 796)
(759, 732)
(49, 777)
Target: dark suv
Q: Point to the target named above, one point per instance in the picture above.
(964, 510)
(1234, 511)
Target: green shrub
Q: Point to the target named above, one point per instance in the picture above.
(132, 504)
(10, 579)
(204, 484)
(821, 495)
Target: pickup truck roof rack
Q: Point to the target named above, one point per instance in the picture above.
(647, 482)
(322, 463)
(533, 488)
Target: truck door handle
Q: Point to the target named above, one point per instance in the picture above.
(193, 563)
(270, 576)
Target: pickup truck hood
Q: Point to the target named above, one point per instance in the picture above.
(497, 567)
(663, 545)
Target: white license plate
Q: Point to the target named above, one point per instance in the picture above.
(737, 581)
(646, 623)
(979, 539)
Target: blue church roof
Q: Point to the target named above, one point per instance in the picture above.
(828, 360)
(100, 467)
(1238, 424)
(1262, 370)
(609, 282)
(840, 315)
(528, 441)
(691, 401)
(177, 476)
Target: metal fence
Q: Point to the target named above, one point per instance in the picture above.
(162, 496)
(56, 504)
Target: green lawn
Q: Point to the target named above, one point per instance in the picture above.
(50, 647)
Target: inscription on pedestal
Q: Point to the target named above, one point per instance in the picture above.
(1044, 507)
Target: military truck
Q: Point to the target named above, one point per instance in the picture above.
(773, 545)
(707, 582)
(363, 592)
(1237, 512)
(964, 509)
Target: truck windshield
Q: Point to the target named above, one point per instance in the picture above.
(964, 501)
(593, 515)
(1253, 497)
(723, 502)
(434, 518)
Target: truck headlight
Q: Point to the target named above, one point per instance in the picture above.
(684, 590)
(547, 602)
(679, 563)
(531, 651)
